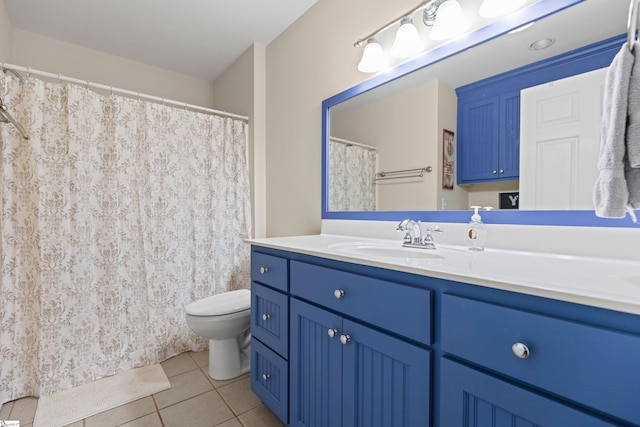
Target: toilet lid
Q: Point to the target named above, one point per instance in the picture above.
(220, 304)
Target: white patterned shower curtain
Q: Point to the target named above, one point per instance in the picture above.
(352, 170)
(116, 214)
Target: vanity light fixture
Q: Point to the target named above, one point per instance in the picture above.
(407, 42)
(493, 8)
(445, 18)
(373, 59)
(450, 21)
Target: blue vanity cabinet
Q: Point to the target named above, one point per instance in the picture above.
(270, 332)
(596, 367)
(472, 398)
(369, 346)
(346, 373)
(488, 136)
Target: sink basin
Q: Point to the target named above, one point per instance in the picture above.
(396, 251)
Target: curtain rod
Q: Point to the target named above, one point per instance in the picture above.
(357, 144)
(88, 84)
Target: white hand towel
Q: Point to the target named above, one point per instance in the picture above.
(610, 192)
(632, 162)
(633, 113)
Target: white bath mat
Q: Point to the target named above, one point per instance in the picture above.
(75, 404)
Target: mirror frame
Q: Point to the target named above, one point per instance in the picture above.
(528, 14)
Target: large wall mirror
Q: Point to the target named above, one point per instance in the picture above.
(405, 119)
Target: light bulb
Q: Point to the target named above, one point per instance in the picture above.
(493, 8)
(407, 42)
(373, 59)
(450, 21)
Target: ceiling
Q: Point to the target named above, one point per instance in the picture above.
(200, 38)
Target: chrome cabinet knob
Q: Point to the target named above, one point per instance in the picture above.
(520, 350)
(338, 293)
(332, 332)
(494, 171)
(501, 170)
(263, 270)
(265, 377)
(345, 339)
(266, 317)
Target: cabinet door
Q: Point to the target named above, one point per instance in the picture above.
(479, 140)
(471, 398)
(509, 157)
(386, 381)
(315, 367)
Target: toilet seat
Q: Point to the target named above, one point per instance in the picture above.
(221, 304)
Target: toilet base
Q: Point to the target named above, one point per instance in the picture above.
(229, 358)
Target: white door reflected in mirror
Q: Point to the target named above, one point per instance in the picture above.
(559, 142)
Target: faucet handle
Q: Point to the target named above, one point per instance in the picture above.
(428, 241)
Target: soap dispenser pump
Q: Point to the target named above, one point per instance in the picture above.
(476, 231)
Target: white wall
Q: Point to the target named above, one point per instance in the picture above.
(309, 62)
(47, 54)
(404, 127)
(242, 89)
(5, 34)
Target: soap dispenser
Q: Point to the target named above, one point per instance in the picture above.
(476, 232)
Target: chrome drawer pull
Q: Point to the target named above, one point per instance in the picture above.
(263, 270)
(265, 377)
(266, 317)
(332, 332)
(338, 293)
(520, 350)
(345, 339)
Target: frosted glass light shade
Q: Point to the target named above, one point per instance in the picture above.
(407, 42)
(450, 21)
(493, 8)
(373, 58)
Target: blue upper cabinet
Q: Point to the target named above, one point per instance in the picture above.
(489, 111)
(490, 151)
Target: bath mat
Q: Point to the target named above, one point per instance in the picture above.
(75, 404)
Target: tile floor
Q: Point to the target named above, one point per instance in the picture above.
(194, 400)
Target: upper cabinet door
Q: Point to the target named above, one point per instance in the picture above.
(560, 142)
(478, 140)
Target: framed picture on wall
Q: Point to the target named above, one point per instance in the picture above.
(448, 159)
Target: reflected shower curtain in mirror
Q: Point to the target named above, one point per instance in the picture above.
(116, 214)
(352, 170)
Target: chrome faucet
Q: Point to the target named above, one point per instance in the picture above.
(413, 236)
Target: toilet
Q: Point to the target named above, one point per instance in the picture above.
(224, 319)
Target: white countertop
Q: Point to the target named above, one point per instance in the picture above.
(600, 282)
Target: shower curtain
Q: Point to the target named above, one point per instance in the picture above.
(352, 169)
(116, 214)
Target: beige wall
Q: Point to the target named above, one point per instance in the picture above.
(47, 54)
(241, 89)
(5, 34)
(404, 129)
(311, 61)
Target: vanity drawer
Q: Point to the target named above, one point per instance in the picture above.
(270, 379)
(392, 306)
(596, 367)
(270, 317)
(270, 270)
